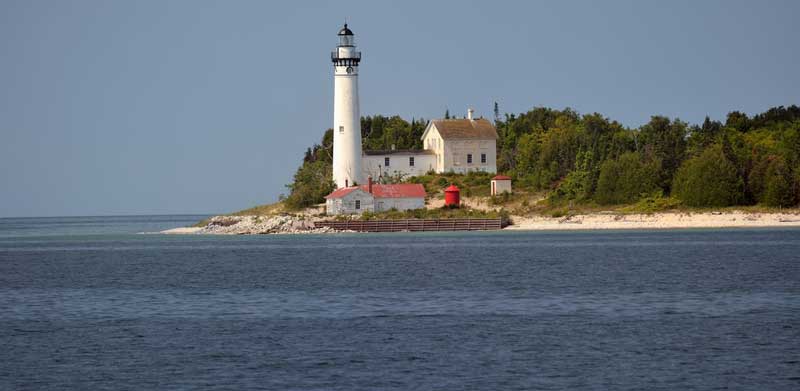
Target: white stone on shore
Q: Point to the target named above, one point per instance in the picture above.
(254, 225)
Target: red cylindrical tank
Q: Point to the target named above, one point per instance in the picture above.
(452, 196)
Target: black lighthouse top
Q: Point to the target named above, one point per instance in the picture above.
(346, 37)
(345, 54)
(345, 30)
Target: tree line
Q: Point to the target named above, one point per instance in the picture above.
(592, 159)
(589, 158)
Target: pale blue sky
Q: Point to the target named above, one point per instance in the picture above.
(135, 107)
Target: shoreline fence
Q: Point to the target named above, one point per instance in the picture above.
(415, 225)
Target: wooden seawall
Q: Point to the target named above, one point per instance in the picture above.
(414, 225)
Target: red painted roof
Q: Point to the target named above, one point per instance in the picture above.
(339, 193)
(404, 190)
(502, 178)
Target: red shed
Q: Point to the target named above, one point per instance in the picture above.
(452, 196)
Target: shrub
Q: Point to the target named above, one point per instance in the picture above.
(710, 179)
(652, 203)
(561, 212)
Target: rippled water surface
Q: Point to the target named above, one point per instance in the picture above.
(89, 303)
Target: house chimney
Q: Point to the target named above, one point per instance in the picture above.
(369, 184)
(469, 113)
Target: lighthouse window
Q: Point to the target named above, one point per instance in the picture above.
(469, 158)
(341, 129)
(411, 161)
(386, 161)
(483, 158)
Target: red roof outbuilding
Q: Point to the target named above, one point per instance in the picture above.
(403, 190)
(501, 178)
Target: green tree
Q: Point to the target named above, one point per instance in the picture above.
(710, 179)
(778, 186)
(664, 141)
(626, 179)
(577, 185)
(738, 121)
(312, 182)
(703, 136)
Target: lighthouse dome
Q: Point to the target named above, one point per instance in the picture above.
(345, 30)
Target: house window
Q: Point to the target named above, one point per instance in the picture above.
(341, 129)
(469, 158)
(358, 204)
(386, 161)
(411, 161)
(483, 158)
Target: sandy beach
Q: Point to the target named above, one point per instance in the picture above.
(657, 221)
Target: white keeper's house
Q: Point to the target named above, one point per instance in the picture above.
(449, 145)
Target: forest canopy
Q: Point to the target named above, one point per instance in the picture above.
(592, 159)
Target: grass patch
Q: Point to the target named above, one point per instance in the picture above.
(262, 210)
(653, 204)
(473, 184)
(259, 210)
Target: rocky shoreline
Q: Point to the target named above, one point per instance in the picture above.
(255, 225)
(306, 224)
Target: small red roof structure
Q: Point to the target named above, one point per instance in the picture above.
(403, 190)
(501, 178)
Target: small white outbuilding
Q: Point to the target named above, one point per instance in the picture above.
(375, 198)
(501, 184)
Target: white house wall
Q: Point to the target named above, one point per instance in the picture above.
(501, 186)
(456, 151)
(373, 165)
(433, 142)
(384, 204)
(347, 204)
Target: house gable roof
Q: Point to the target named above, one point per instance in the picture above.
(403, 190)
(341, 193)
(480, 129)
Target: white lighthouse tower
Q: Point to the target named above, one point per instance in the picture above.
(346, 114)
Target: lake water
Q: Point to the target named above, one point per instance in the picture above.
(89, 303)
